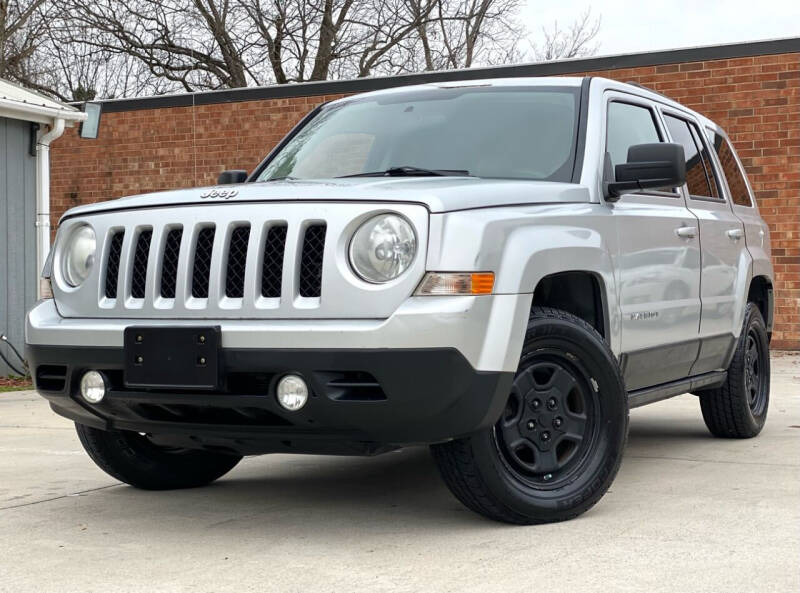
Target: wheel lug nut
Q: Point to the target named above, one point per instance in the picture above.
(536, 404)
(531, 424)
(545, 436)
(551, 403)
(558, 422)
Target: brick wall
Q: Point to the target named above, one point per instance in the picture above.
(756, 99)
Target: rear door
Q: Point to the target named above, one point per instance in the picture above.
(658, 262)
(740, 195)
(724, 257)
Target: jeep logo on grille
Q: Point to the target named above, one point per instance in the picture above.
(224, 194)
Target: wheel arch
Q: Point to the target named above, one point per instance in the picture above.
(760, 292)
(579, 292)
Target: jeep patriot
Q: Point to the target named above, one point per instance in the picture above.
(499, 269)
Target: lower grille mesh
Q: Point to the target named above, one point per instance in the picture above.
(202, 262)
(311, 261)
(237, 258)
(272, 267)
(140, 259)
(169, 263)
(112, 268)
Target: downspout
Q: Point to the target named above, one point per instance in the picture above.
(43, 196)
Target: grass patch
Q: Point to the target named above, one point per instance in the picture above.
(15, 384)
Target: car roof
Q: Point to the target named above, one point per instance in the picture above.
(540, 81)
(531, 81)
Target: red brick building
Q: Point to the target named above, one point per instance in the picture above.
(751, 89)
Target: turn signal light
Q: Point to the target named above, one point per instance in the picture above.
(456, 283)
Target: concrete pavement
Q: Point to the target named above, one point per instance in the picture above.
(687, 513)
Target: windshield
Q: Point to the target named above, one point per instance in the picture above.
(493, 132)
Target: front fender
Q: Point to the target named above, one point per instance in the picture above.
(523, 244)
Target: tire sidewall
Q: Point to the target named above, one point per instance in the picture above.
(585, 349)
(128, 457)
(752, 321)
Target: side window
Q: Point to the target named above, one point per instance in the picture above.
(628, 125)
(704, 154)
(730, 168)
(699, 175)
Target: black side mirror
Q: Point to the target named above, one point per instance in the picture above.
(649, 166)
(233, 176)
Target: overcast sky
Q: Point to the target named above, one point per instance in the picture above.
(630, 26)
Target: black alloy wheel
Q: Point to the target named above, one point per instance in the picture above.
(558, 444)
(549, 423)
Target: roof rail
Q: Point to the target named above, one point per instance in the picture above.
(647, 88)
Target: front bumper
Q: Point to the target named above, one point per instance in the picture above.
(439, 368)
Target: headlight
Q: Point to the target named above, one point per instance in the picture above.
(78, 255)
(383, 248)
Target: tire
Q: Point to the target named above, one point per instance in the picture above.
(507, 472)
(133, 459)
(738, 408)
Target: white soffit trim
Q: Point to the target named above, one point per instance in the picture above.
(20, 103)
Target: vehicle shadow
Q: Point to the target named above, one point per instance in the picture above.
(298, 493)
(401, 488)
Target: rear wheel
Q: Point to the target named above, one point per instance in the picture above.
(738, 408)
(558, 444)
(132, 458)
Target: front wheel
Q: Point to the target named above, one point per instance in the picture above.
(133, 458)
(558, 444)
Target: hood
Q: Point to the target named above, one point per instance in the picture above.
(438, 194)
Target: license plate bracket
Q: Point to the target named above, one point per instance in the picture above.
(172, 357)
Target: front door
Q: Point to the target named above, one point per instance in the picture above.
(658, 262)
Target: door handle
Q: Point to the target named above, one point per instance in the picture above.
(686, 232)
(734, 234)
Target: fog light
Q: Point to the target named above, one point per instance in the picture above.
(292, 392)
(93, 387)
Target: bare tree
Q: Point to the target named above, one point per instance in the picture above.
(19, 29)
(193, 43)
(81, 49)
(301, 40)
(576, 41)
(306, 41)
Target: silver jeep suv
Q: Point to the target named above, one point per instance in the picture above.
(499, 269)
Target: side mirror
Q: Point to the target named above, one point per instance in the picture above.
(233, 176)
(649, 166)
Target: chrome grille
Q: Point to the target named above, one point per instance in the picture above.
(235, 267)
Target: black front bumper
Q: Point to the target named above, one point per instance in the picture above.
(362, 401)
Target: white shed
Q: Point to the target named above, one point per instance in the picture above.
(28, 123)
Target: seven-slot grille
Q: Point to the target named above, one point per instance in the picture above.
(238, 250)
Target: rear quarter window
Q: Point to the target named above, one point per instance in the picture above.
(731, 169)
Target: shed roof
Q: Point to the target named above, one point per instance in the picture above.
(17, 102)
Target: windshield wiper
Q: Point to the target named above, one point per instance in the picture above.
(284, 178)
(407, 171)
